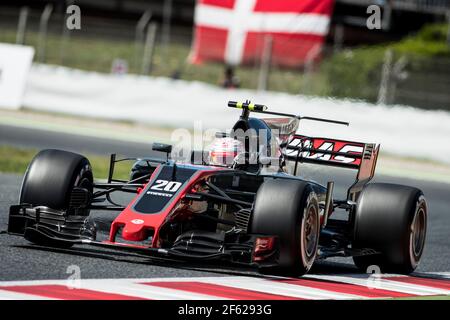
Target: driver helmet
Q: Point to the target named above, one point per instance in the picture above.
(224, 151)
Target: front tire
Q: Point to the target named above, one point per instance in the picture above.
(392, 220)
(289, 209)
(49, 180)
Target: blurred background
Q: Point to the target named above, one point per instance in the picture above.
(406, 62)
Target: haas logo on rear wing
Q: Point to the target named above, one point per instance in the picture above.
(331, 152)
(337, 153)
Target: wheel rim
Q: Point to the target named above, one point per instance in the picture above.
(417, 235)
(309, 233)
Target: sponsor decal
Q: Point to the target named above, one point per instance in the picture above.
(159, 194)
(318, 144)
(163, 189)
(169, 188)
(164, 185)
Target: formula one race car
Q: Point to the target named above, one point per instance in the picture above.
(241, 202)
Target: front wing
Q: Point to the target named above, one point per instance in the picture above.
(54, 228)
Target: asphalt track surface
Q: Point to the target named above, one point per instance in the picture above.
(22, 261)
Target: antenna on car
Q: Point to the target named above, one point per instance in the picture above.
(247, 106)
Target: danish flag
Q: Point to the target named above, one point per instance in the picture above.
(236, 31)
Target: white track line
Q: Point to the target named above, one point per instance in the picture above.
(146, 291)
(278, 288)
(136, 288)
(384, 284)
(10, 295)
(129, 287)
(433, 275)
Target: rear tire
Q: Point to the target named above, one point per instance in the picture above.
(392, 220)
(49, 181)
(289, 209)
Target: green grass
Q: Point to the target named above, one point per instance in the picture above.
(16, 160)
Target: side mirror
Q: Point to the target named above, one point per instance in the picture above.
(162, 147)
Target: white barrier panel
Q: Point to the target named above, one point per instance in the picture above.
(15, 62)
(164, 102)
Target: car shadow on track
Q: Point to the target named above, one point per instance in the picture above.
(320, 267)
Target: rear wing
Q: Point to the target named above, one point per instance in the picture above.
(337, 153)
(331, 152)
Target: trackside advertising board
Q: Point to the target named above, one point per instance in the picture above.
(15, 62)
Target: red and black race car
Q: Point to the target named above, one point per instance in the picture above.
(241, 202)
